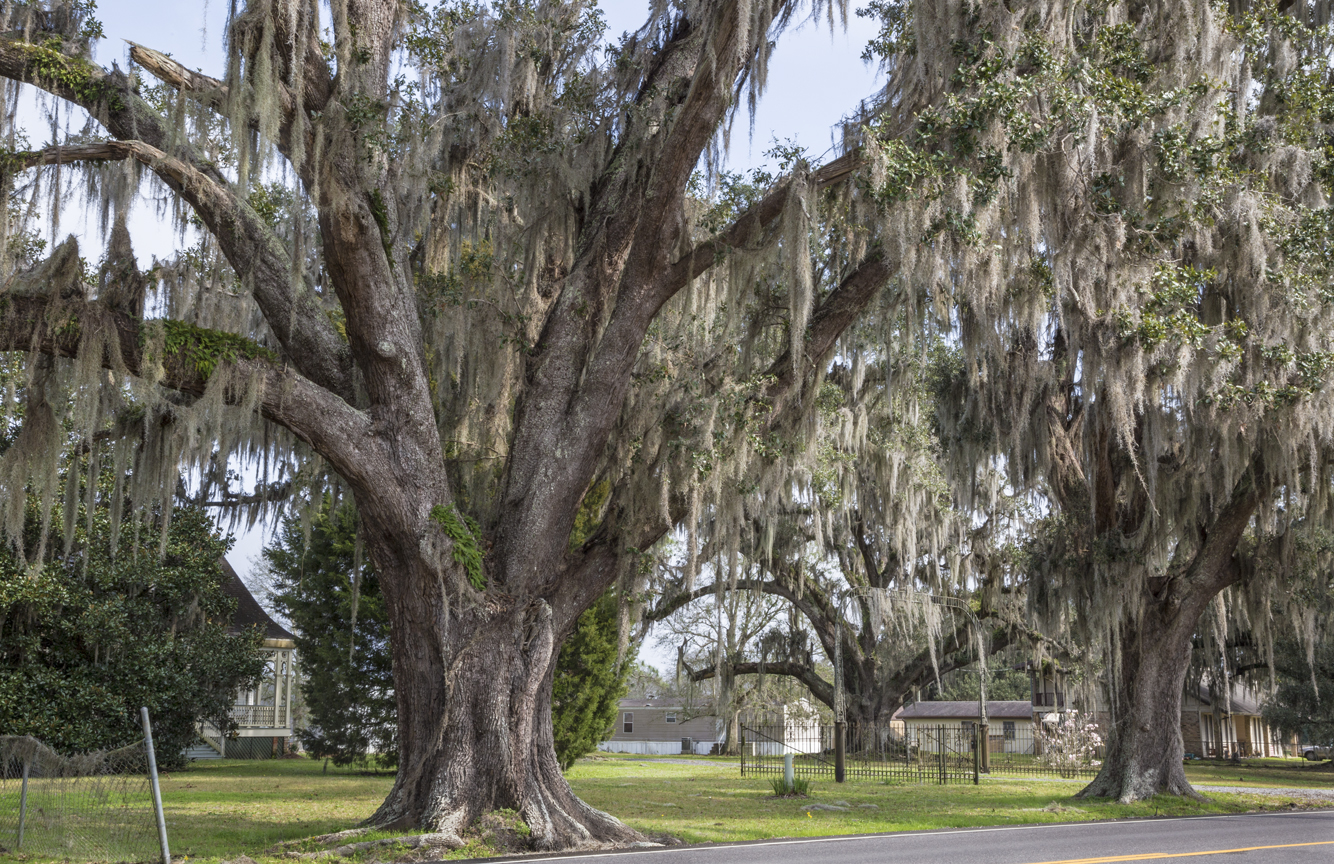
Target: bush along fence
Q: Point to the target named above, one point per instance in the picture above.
(1069, 746)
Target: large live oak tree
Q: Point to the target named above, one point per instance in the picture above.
(522, 177)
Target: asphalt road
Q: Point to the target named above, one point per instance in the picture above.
(1302, 837)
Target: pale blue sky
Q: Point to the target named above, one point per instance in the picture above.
(816, 77)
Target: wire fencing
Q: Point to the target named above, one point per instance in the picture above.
(91, 807)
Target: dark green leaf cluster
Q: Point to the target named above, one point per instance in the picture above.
(87, 638)
(205, 349)
(1304, 701)
(1171, 310)
(466, 535)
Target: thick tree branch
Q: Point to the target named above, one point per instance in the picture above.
(328, 424)
(835, 314)
(820, 688)
(292, 310)
(214, 95)
(1214, 566)
(634, 219)
(749, 226)
(101, 151)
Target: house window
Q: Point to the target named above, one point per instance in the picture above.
(629, 724)
(671, 716)
(1008, 726)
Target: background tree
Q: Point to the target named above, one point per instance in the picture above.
(589, 682)
(858, 556)
(1301, 704)
(1136, 281)
(333, 600)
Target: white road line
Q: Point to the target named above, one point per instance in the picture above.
(1139, 824)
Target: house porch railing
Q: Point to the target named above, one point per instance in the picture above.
(260, 716)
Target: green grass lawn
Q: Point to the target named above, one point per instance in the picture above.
(223, 809)
(1281, 773)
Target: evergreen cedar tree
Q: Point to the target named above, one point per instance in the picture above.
(89, 638)
(490, 288)
(342, 636)
(342, 633)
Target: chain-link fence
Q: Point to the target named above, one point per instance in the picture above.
(89, 807)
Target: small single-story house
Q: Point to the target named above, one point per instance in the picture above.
(1010, 723)
(263, 714)
(661, 726)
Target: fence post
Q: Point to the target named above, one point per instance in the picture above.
(940, 752)
(23, 802)
(743, 750)
(789, 774)
(157, 792)
(840, 765)
(978, 742)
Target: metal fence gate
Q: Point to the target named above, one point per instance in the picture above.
(934, 754)
(941, 753)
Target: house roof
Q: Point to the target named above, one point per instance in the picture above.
(1009, 710)
(249, 613)
(670, 703)
(1240, 703)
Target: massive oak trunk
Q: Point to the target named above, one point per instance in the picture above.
(475, 732)
(1144, 755)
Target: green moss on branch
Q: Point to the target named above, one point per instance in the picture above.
(53, 68)
(205, 349)
(466, 535)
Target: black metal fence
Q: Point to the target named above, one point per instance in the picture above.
(916, 753)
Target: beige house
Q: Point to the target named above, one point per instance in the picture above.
(1222, 728)
(661, 727)
(263, 714)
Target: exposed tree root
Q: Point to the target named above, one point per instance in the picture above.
(322, 840)
(442, 840)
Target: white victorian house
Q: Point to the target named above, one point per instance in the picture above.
(263, 714)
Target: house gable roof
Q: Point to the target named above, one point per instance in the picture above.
(671, 704)
(249, 614)
(1239, 703)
